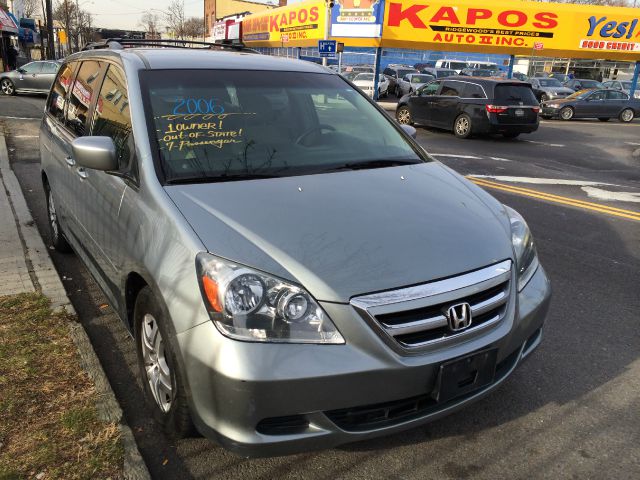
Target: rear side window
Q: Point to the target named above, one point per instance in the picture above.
(471, 90)
(514, 94)
(82, 94)
(62, 85)
(111, 117)
(616, 95)
(451, 89)
(49, 67)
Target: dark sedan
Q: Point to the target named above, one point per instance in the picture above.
(577, 84)
(471, 106)
(34, 77)
(600, 104)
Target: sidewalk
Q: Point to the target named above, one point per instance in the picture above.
(25, 266)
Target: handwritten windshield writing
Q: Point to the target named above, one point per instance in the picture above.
(197, 105)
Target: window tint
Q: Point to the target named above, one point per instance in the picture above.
(471, 90)
(599, 95)
(111, 117)
(430, 89)
(31, 68)
(451, 89)
(82, 94)
(388, 71)
(49, 67)
(514, 94)
(616, 95)
(58, 97)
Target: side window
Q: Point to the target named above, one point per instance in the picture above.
(430, 89)
(111, 117)
(62, 85)
(450, 89)
(471, 90)
(82, 94)
(388, 71)
(600, 95)
(616, 95)
(32, 68)
(50, 68)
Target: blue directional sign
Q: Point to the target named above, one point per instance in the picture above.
(327, 48)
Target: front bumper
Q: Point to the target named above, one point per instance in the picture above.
(268, 399)
(549, 111)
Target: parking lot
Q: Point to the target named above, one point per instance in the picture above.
(571, 411)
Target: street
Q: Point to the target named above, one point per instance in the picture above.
(571, 411)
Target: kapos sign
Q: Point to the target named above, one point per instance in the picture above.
(513, 27)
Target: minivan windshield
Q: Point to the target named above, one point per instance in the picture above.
(219, 125)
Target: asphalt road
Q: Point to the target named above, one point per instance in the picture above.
(571, 411)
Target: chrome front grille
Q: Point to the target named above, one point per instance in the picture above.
(416, 317)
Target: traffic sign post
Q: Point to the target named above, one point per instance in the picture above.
(327, 48)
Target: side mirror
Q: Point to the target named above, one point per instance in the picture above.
(96, 153)
(409, 130)
(22, 70)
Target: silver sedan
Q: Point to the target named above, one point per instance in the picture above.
(412, 82)
(34, 77)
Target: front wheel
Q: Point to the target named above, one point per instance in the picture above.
(164, 390)
(7, 87)
(627, 115)
(544, 97)
(462, 126)
(403, 115)
(566, 113)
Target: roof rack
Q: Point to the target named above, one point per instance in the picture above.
(123, 43)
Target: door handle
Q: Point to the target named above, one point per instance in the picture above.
(70, 161)
(82, 173)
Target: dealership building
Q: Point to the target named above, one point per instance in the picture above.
(529, 37)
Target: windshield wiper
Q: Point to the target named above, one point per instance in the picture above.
(370, 164)
(218, 178)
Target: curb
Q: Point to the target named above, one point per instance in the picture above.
(46, 280)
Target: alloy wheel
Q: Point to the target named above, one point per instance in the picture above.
(53, 217)
(404, 116)
(7, 87)
(158, 373)
(566, 113)
(626, 115)
(462, 126)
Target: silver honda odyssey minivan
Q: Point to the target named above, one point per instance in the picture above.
(296, 271)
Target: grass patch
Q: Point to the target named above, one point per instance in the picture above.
(48, 420)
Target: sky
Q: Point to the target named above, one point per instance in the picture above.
(125, 14)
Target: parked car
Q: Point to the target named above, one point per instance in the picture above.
(457, 65)
(395, 72)
(520, 76)
(483, 65)
(412, 82)
(480, 72)
(223, 204)
(421, 66)
(473, 106)
(623, 86)
(439, 72)
(365, 81)
(34, 77)
(600, 104)
(549, 89)
(577, 84)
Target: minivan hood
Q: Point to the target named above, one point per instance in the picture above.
(348, 233)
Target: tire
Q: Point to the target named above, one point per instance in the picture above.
(566, 113)
(604, 119)
(627, 115)
(403, 116)
(7, 87)
(544, 97)
(58, 240)
(158, 365)
(511, 135)
(462, 127)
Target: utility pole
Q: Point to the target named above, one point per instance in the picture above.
(329, 7)
(50, 46)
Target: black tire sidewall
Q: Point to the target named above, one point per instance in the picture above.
(176, 423)
(12, 84)
(58, 241)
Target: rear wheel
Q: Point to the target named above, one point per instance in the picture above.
(162, 383)
(57, 236)
(403, 115)
(566, 113)
(462, 127)
(7, 87)
(604, 119)
(626, 115)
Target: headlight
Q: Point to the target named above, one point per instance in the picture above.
(526, 255)
(249, 305)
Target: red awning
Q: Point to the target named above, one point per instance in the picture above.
(6, 23)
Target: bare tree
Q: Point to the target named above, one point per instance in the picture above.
(65, 13)
(194, 27)
(175, 18)
(32, 8)
(151, 23)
